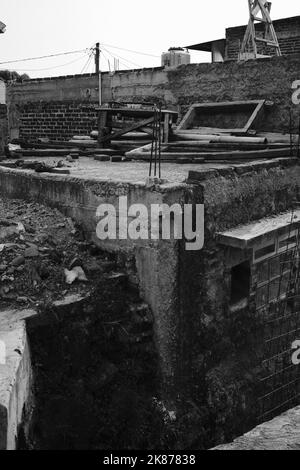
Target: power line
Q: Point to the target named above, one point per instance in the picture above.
(122, 58)
(87, 64)
(123, 63)
(50, 68)
(130, 50)
(107, 58)
(44, 57)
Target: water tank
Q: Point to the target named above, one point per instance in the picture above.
(174, 57)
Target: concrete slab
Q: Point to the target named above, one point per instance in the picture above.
(15, 374)
(282, 433)
(246, 236)
(132, 172)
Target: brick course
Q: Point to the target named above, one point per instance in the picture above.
(56, 121)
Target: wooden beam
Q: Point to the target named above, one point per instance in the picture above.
(134, 127)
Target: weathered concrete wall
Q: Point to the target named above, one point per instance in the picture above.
(209, 356)
(96, 370)
(222, 349)
(16, 376)
(2, 92)
(178, 88)
(3, 127)
(156, 262)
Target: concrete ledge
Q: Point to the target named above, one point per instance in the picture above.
(15, 375)
(282, 433)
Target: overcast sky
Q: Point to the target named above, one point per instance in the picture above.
(42, 27)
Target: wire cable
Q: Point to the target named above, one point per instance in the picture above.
(50, 68)
(88, 62)
(129, 50)
(123, 59)
(44, 57)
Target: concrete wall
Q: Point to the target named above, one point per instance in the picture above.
(3, 127)
(209, 356)
(2, 92)
(42, 107)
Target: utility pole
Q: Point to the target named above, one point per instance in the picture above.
(97, 58)
(97, 65)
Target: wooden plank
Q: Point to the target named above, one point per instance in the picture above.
(102, 123)
(212, 156)
(41, 152)
(188, 118)
(223, 106)
(117, 134)
(166, 128)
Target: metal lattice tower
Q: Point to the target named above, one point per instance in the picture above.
(259, 11)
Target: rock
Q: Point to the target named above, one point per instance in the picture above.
(3, 267)
(29, 229)
(22, 299)
(31, 252)
(75, 262)
(92, 266)
(17, 261)
(20, 227)
(76, 273)
(10, 270)
(117, 276)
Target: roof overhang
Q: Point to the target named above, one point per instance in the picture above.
(207, 46)
(247, 236)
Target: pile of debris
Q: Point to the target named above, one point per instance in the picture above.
(44, 256)
(222, 132)
(209, 132)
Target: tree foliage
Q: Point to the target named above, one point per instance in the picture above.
(8, 75)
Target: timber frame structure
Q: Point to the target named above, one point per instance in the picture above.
(251, 41)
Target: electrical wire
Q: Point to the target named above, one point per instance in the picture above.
(50, 68)
(106, 58)
(123, 63)
(129, 50)
(44, 57)
(127, 66)
(88, 62)
(123, 59)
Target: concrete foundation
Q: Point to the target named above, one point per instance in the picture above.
(16, 376)
(209, 354)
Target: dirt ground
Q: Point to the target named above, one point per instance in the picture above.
(37, 245)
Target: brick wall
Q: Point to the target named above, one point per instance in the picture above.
(287, 30)
(42, 108)
(56, 120)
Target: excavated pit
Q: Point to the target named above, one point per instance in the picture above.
(91, 357)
